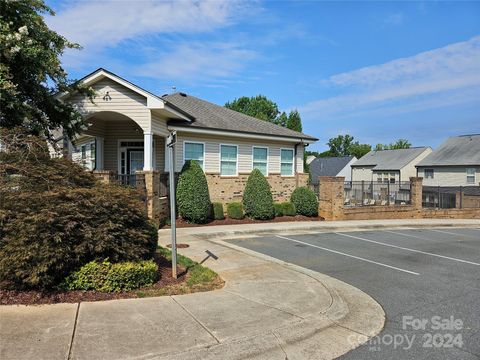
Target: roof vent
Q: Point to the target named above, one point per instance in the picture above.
(183, 94)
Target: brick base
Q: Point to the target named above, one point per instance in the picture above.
(228, 189)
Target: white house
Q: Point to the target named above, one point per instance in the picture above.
(455, 163)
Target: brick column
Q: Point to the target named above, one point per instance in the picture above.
(105, 176)
(152, 188)
(330, 199)
(416, 184)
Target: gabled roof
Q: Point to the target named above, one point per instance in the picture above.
(389, 159)
(328, 166)
(455, 151)
(211, 116)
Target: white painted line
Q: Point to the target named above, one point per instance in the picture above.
(408, 235)
(452, 233)
(352, 256)
(412, 250)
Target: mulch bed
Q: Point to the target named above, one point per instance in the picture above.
(15, 297)
(183, 224)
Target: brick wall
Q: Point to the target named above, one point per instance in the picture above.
(227, 189)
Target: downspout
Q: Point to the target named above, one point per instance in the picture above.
(295, 162)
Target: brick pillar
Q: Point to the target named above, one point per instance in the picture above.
(330, 202)
(105, 176)
(416, 184)
(152, 188)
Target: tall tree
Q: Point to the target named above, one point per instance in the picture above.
(340, 145)
(294, 121)
(257, 106)
(359, 150)
(31, 73)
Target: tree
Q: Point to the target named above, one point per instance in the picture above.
(31, 73)
(294, 121)
(257, 106)
(399, 144)
(359, 150)
(340, 145)
(263, 108)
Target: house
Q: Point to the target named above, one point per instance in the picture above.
(455, 163)
(128, 127)
(391, 166)
(331, 166)
(309, 159)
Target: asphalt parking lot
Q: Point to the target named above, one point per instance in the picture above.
(427, 280)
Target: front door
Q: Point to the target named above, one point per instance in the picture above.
(134, 161)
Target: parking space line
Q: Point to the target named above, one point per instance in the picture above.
(451, 233)
(348, 255)
(408, 235)
(412, 250)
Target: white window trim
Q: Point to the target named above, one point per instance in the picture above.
(268, 157)
(119, 151)
(293, 161)
(470, 175)
(432, 171)
(220, 160)
(193, 142)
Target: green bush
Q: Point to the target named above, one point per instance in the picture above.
(193, 199)
(288, 209)
(305, 201)
(278, 209)
(235, 210)
(107, 277)
(257, 197)
(218, 211)
(51, 229)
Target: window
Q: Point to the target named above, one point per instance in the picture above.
(260, 159)
(228, 160)
(429, 173)
(286, 162)
(92, 155)
(194, 151)
(84, 152)
(470, 175)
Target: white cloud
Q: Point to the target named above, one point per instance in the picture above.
(430, 75)
(107, 23)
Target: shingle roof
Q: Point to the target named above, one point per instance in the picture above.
(389, 159)
(327, 166)
(211, 116)
(455, 151)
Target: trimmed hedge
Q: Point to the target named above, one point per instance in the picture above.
(305, 201)
(278, 209)
(218, 211)
(107, 277)
(235, 210)
(193, 199)
(257, 197)
(288, 209)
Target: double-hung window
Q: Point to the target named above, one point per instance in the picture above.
(228, 160)
(286, 162)
(429, 173)
(260, 159)
(470, 175)
(194, 151)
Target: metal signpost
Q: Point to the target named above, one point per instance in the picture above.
(171, 140)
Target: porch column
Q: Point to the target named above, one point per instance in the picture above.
(147, 151)
(99, 153)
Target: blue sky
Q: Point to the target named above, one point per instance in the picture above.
(376, 70)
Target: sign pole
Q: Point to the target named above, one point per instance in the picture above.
(171, 140)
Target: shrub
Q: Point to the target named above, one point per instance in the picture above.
(235, 210)
(107, 277)
(305, 201)
(288, 209)
(218, 211)
(193, 199)
(278, 209)
(257, 197)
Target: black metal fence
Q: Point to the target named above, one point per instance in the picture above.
(450, 197)
(133, 180)
(369, 193)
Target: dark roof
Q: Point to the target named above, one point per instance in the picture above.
(327, 166)
(389, 159)
(211, 116)
(455, 151)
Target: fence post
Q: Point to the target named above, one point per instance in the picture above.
(388, 193)
(363, 192)
(438, 192)
(461, 196)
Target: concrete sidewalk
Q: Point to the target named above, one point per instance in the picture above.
(267, 310)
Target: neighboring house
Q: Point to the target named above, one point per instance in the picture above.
(391, 166)
(310, 158)
(128, 127)
(331, 166)
(455, 163)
